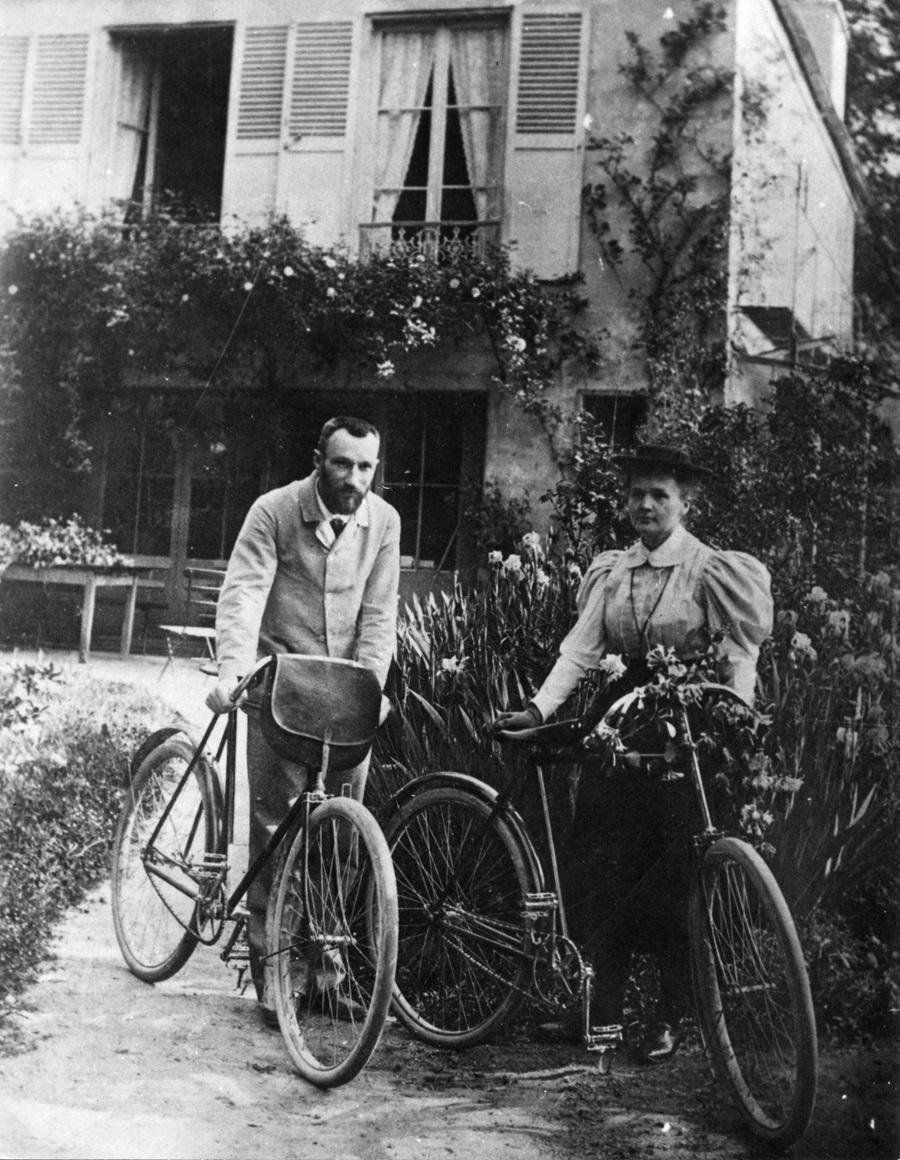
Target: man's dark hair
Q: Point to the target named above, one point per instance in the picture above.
(358, 428)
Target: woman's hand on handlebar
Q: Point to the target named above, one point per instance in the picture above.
(528, 718)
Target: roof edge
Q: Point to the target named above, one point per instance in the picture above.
(837, 130)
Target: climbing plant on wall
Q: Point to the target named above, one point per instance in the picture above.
(658, 206)
(86, 303)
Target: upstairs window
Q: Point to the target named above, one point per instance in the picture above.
(171, 119)
(439, 138)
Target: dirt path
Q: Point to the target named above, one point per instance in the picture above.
(112, 1067)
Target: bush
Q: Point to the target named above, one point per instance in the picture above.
(63, 762)
(55, 541)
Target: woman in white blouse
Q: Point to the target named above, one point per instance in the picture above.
(625, 876)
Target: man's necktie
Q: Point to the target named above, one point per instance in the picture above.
(337, 526)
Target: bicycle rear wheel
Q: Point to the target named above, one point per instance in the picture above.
(155, 915)
(333, 942)
(752, 992)
(464, 964)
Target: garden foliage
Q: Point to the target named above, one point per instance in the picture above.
(64, 748)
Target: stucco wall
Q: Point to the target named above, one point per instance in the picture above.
(793, 213)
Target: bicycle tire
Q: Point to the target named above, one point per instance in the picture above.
(334, 960)
(752, 992)
(465, 964)
(155, 923)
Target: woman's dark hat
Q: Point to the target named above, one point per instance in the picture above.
(656, 456)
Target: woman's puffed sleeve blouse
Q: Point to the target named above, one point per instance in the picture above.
(737, 594)
(695, 592)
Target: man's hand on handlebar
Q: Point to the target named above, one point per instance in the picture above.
(220, 696)
(528, 718)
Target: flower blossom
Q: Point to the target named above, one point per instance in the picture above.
(817, 595)
(839, 621)
(495, 557)
(385, 370)
(800, 643)
(612, 665)
(531, 544)
(512, 563)
(453, 664)
(330, 292)
(289, 271)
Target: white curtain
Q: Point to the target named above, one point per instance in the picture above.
(135, 83)
(478, 60)
(406, 63)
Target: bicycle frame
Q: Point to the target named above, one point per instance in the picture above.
(210, 875)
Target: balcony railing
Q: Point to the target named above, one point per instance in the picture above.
(444, 242)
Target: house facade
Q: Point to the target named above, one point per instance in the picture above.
(435, 123)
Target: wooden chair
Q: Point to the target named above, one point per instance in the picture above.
(202, 587)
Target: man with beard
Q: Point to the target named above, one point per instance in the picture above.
(314, 570)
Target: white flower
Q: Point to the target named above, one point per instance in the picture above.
(454, 283)
(512, 563)
(518, 343)
(289, 271)
(185, 297)
(330, 292)
(248, 286)
(817, 595)
(452, 664)
(330, 263)
(495, 557)
(613, 666)
(12, 290)
(542, 578)
(531, 544)
(417, 302)
(839, 620)
(801, 643)
(385, 370)
(575, 570)
(476, 293)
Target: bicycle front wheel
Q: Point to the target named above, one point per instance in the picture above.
(752, 992)
(333, 942)
(155, 888)
(464, 964)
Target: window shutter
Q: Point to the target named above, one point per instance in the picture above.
(549, 73)
(13, 60)
(545, 170)
(57, 105)
(262, 83)
(321, 84)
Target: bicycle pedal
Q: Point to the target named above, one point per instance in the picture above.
(605, 1038)
(543, 902)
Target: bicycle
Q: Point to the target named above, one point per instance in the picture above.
(481, 928)
(331, 923)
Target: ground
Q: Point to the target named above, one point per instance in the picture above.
(97, 1065)
(107, 1066)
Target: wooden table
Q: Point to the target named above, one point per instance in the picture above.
(90, 579)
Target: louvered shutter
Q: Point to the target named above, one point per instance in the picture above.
(311, 174)
(321, 83)
(57, 102)
(546, 167)
(13, 62)
(262, 83)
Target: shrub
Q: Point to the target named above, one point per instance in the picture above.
(56, 541)
(60, 792)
